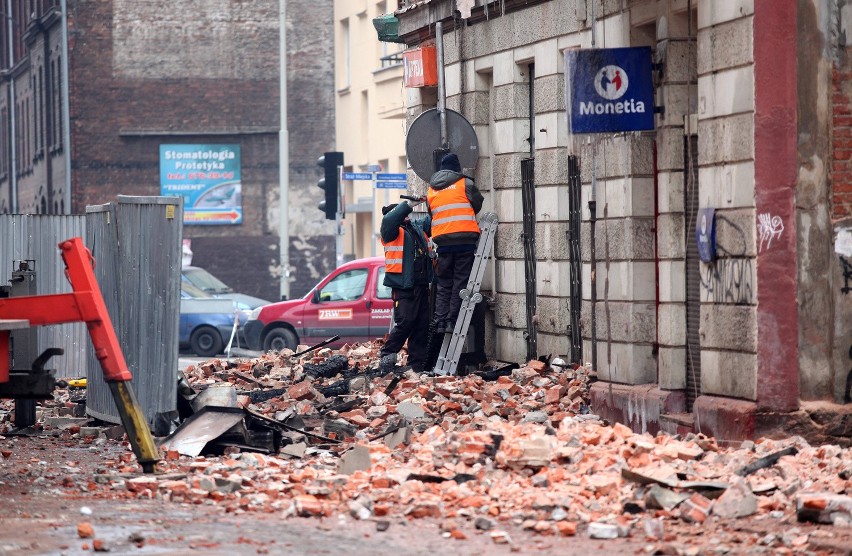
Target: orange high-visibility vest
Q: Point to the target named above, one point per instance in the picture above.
(393, 253)
(394, 250)
(451, 210)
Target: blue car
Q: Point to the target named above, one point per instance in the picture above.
(206, 322)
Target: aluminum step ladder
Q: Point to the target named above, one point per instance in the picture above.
(453, 343)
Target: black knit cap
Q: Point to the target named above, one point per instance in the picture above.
(450, 162)
(388, 208)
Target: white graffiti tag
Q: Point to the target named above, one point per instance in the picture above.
(770, 227)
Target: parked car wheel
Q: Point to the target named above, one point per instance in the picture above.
(278, 339)
(206, 341)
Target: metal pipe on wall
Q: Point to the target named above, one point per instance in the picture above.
(592, 220)
(66, 107)
(13, 154)
(442, 93)
(283, 158)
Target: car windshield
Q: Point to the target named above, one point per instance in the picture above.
(189, 290)
(206, 281)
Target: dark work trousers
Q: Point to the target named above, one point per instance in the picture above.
(453, 273)
(411, 322)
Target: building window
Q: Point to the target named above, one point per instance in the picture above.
(41, 104)
(531, 75)
(346, 69)
(4, 142)
(35, 114)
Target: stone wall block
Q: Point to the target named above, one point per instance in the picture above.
(672, 281)
(670, 149)
(715, 13)
(551, 168)
(728, 139)
(511, 101)
(558, 343)
(679, 60)
(726, 45)
(477, 107)
(736, 232)
(529, 26)
(553, 316)
(507, 170)
(672, 324)
(552, 241)
(508, 243)
(729, 373)
(482, 175)
(672, 368)
(480, 40)
(729, 280)
(678, 100)
(511, 311)
(628, 322)
(625, 363)
(670, 236)
(670, 191)
(550, 93)
(510, 344)
(731, 327)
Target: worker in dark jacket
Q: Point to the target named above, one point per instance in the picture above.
(454, 201)
(408, 272)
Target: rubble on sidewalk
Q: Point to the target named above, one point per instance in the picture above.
(509, 447)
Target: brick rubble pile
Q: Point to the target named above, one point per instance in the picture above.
(481, 454)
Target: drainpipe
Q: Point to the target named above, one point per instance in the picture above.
(593, 211)
(656, 265)
(66, 107)
(13, 169)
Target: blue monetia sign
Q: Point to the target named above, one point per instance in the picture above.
(609, 90)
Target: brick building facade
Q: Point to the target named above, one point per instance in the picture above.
(151, 73)
(752, 122)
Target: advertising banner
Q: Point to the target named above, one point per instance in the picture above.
(609, 90)
(207, 177)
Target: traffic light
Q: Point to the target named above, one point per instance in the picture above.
(330, 182)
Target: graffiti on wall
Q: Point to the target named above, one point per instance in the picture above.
(729, 281)
(847, 274)
(847, 395)
(843, 248)
(769, 227)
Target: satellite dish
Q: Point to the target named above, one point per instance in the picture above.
(424, 139)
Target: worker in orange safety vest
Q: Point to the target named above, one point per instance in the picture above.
(454, 200)
(409, 273)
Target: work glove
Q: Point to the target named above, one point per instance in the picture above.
(413, 203)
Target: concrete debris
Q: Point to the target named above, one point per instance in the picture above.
(736, 501)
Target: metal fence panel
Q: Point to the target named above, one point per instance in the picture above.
(138, 240)
(575, 258)
(37, 237)
(528, 204)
